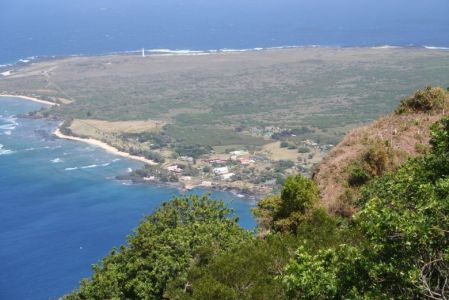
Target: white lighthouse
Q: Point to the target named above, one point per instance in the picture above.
(143, 52)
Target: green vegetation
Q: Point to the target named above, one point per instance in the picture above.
(374, 162)
(303, 150)
(163, 247)
(394, 247)
(429, 99)
(310, 93)
(404, 219)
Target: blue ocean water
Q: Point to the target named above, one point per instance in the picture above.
(63, 27)
(61, 209)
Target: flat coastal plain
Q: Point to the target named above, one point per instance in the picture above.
(254, 101)
(328, 90)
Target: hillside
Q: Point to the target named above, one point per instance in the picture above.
(385, 144)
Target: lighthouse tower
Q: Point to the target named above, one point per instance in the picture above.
(143, 52)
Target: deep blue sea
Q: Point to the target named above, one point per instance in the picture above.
(61, 209)
(64, 27)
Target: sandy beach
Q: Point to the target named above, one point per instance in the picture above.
(30, 98)
(104, 146)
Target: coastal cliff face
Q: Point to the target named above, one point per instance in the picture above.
(376, 149)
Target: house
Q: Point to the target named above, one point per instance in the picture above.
(217, 161)
(221, 171)
(174, 168)
(227, 176)
(246, 161)
(238, 153)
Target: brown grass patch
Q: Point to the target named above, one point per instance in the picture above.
(407, 135)
(275, 152)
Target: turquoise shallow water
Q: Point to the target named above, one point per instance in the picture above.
(61, 209)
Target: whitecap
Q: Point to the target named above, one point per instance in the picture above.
(6, 73)
(89, 167)
(105, 164)
(169, 51)
(8, 127)
(5, 151)
(436, 48)
(71, 169)
(386, 47)
(56, 160)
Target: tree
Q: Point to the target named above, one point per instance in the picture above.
(404, 219)
(299, 195)
(162, 249)
(247, 272)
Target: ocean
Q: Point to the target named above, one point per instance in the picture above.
(61, 210)
(30, 28)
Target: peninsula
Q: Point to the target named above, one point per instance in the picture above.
(234, 120)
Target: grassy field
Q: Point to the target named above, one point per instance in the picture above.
(217, 99)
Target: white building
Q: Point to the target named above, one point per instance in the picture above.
(221, 171)
(239, 153)
(227, 176)
(174, 168)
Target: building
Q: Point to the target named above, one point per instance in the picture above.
(238, 153)
(245, 160)
(174, 168)
(227, 176)
(221, 171)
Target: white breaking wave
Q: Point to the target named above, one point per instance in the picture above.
(8, 127)
(39, 148)
(169, 51)
(85, 167)
(56, 160)
(436, 48)
(7, 132)
(71, 169)
(5, 151)
(387, 47)
(89, 167)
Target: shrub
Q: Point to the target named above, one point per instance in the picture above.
(425, 100)
(303, 150)
(162, 249)
(284, 144)
(358, 176)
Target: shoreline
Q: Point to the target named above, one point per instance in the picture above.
(104, 146)
(176, 52)
(180, 186)
(30, 99)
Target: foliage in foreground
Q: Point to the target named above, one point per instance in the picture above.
(404, 217)
(395, 247)
(162, 248)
